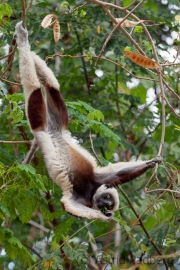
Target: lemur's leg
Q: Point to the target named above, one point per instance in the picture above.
(35, 105)
(34, 101)
(57, 111)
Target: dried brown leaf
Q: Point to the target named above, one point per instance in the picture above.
(56, 30)
(128, 23)
(141, 60)
(46, 22)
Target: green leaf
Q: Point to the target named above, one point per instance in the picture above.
(82, 13)
(63, 228)
(144, 248)
(57, 265)
(5, 9)
(150, 223)
(127, 228)
(170, 242)
(96, 114)
(17, 97)
(64, 4)
(25, 208)
(4, 210)
(138, 29)
(26, 167)
(14, 241)
(37, 182)
(46, 213)
(6, 231)
(126, 3)
(8, 108)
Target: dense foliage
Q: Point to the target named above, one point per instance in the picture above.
(131, 113)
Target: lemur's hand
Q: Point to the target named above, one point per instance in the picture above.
(21, 35)
(151, 163)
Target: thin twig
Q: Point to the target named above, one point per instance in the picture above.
(177, 54)
(171, 108)
(33, 250)
(131, 4)
(39, 226)
(14, 146)
(5, 56)
(143, 110)
(92, 147)
(5, 80)
(10, 62)
(92, 241)
(105, 4)
(142, 225)
(23, 12)
(68, 13)
(149, 181)
(30, 5)
(162, 189)
(118, 25)
(150, 132)
(14, 142)
(170, 64)
(83, 62)
(3, 187)
(160, 152)
(31, 152)
(137, 77)
(171, 90)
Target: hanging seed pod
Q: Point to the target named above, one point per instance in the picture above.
(56, 30)
(46, 22)
(141, 60)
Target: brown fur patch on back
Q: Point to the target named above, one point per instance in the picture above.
(57, 105)
(36, 110)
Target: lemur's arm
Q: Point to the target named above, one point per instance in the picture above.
(123, 172)
(75, 208)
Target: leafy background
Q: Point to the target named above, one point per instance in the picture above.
(124, 116)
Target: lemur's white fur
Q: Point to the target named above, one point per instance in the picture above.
(61, 154)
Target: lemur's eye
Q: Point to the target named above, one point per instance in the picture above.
(108, 197)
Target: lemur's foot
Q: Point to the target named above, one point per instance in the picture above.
(21, 35)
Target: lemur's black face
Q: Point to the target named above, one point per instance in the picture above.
(105, 200)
